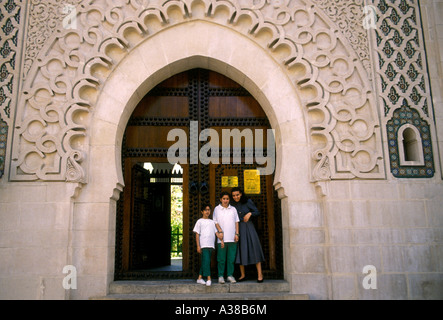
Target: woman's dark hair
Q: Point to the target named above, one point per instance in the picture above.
(243, 198)
(203, 207)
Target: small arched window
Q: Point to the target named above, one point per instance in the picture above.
(410, 146)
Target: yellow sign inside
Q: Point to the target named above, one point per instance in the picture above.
(252, 181)
(229, 181)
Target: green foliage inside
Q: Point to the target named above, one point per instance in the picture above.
(176, 220)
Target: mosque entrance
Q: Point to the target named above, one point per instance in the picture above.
(179, 152)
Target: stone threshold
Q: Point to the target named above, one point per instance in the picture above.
(190, 290)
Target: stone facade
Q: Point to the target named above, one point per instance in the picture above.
(352, 89)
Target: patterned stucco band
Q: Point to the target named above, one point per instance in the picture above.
(345, 141)
(403, 78)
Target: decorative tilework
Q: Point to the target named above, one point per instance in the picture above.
(3, 140)
(9, 29)
(9, 21)
(407, 115)
(403, 79)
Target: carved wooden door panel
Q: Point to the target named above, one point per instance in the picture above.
(208, 100)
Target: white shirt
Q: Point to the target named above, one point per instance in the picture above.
(206, 229)
(226, 219)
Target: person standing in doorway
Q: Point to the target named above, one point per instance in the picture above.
(249, 249)
(205, 232)
(226, 218)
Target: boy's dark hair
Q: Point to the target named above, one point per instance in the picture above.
(203, 207)
(225, 193)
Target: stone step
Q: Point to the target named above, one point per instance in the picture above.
(190, 286)
(190, 290)
(208, 296)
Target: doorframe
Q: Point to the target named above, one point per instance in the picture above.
(133, 154)
(143, 68)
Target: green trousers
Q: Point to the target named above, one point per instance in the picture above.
(226, 258)
(205, 269)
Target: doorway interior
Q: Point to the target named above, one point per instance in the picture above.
(160, 202)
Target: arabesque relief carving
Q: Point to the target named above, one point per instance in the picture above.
(349, 17)
(44, 18)
(54, 110)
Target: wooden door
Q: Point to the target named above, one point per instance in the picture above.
(213, 101)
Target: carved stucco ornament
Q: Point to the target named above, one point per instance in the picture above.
(58, 93)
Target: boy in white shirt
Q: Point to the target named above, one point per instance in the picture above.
(205, 231)
(226, 218)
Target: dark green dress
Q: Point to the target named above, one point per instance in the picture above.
(249, 247)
